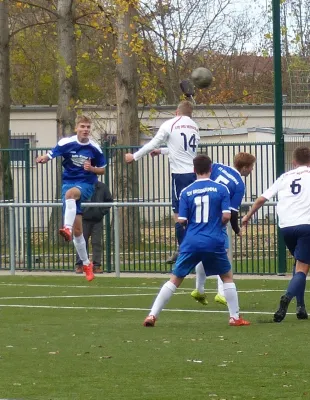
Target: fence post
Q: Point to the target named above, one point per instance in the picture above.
(116, 242)
(12, 240)
(107, 217)
(28, 209)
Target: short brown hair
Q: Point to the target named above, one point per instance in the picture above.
(185, 108)
(243, 159)
(82, 118)
(202, 164)
(302, 155)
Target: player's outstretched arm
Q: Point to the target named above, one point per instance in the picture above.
(42, 159)
(259, 202)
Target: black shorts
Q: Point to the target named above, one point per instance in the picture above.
(179, 182)
(297, 240)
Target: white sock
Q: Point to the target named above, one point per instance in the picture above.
(80, 245)
(220, 287)
(200, 278)
(162, 298)
(70, 213)
(231, 296)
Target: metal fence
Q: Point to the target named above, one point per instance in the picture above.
(146, 236)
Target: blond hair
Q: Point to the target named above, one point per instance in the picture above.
(186, 108)
(82, 118)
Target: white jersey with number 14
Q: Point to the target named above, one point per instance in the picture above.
(293, 190)
(181, 136)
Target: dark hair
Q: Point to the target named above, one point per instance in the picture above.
(243, 159)
(202, 164)
(302, 155)
(185, 108)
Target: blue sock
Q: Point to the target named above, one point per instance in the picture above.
(297, 285)
(180, 232)
(300, 298)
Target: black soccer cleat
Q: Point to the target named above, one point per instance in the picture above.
(173, 258)
(301, 312)
(280, 314)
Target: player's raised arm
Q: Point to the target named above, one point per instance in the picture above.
(159, 139)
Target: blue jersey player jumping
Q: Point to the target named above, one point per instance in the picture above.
(231, 177)
(205, 208)
(82, 162)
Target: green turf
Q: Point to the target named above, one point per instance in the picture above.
(94, 353)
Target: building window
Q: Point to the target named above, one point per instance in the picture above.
(18, 145)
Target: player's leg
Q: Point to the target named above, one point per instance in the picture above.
(296, 286)
(199, 293)
(231, 296)
(217, 263)
(301, 312)
(297, 240)
(184, 264)
(80, 246)
(179, 182)
(69, 195)
(96, 241)
(220, 296)
(180, 232)
(86, 234)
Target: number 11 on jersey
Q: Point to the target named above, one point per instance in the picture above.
(202, 209)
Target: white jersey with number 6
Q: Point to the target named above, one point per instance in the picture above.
(293, 189)
(181, 135)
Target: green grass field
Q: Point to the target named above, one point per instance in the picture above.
(62, 338)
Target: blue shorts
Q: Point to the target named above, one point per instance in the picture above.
(179, 182)
(213, 263)
(297, 240)
(86, 189)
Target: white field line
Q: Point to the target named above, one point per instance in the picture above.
(134, 309)
(180, 292)
(78, 296)
(132, 287)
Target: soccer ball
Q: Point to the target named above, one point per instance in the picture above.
(202, 77)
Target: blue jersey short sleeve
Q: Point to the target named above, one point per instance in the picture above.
(202, 203)
(232, 179)
(74, 156)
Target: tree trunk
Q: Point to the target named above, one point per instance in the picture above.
(68, 89)
(126, 179)
(67, 62)
(6, 187)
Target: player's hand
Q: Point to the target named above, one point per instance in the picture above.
(239, 233)
(87, 165)
(155, 152)
(129, 158)
(41, 160)
(245, 220)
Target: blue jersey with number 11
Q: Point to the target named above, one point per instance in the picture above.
(231, 178)
(202, 204)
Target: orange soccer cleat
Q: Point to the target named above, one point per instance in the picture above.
(238, 322)
(66, 234)
(149, 320)
(89, 273)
